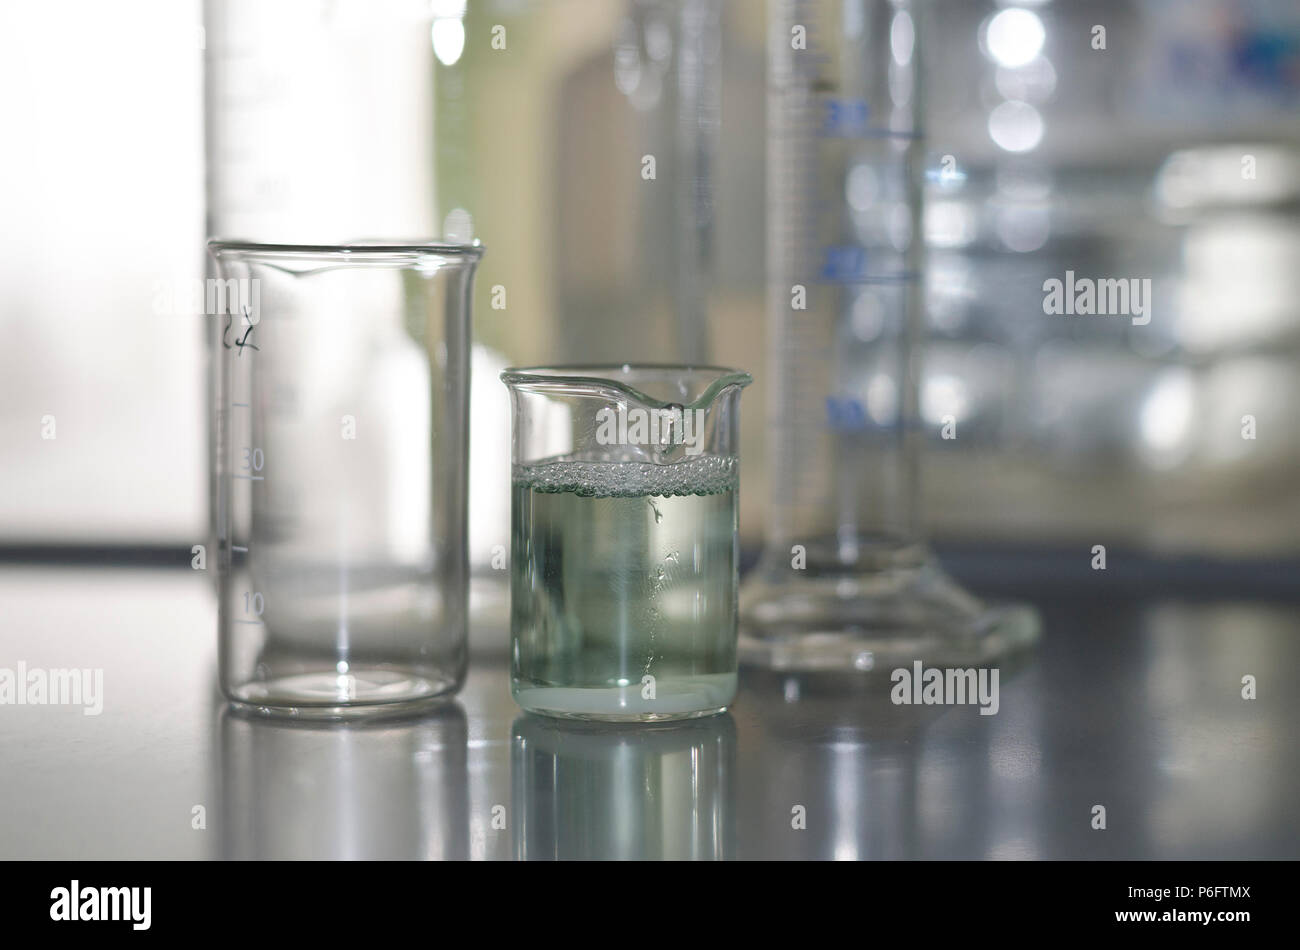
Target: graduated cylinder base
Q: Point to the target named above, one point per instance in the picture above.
(882, 618)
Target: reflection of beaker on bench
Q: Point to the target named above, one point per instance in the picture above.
(593, 791)
(330, 791)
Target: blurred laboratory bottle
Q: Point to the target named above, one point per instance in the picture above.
(590, 130)
(320, 120)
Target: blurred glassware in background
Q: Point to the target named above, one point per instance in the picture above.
(585, 133)
(1128, 139)
(320, 124)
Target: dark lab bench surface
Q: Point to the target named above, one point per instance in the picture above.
(1128, 702)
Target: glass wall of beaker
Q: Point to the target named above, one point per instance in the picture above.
(342, 408)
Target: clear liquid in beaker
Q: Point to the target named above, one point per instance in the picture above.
(624, 588)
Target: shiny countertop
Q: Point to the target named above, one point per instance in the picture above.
(1130, 702)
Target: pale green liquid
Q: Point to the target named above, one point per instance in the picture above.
(620, 571)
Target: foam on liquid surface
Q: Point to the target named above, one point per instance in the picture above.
(704, 475)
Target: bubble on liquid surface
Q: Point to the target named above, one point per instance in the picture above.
(704, 475)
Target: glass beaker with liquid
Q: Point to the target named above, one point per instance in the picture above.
(624, 554)
(342, 412)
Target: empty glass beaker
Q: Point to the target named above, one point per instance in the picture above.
(623, 540)
(342, 395)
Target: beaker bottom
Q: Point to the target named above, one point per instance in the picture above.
(360, 693)
(876, 620)
(678, 698)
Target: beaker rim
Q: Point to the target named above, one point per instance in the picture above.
(367, 250)
(600, 378)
